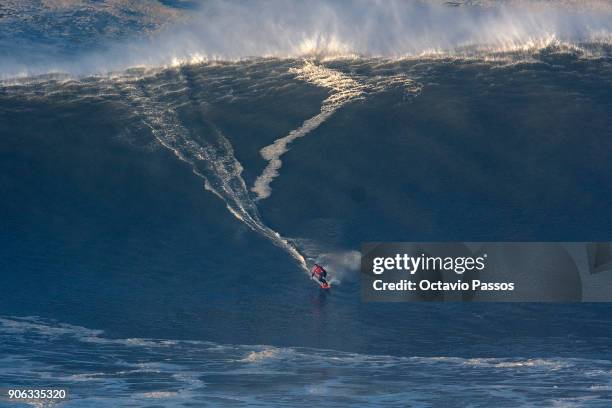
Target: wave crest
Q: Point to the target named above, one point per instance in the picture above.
(323, 29)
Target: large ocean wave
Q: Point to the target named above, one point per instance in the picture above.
(171, 189)
(313, 156)
(156, 97)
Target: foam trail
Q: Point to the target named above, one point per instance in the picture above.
(273, 152)
(211, 158)
(344, 90)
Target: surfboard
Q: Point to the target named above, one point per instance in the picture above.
(321, 284)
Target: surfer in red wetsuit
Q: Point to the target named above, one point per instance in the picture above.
(319, 273)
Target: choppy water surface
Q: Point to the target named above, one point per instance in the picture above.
(100, 371)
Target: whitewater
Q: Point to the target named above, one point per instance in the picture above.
(235, 31)
(174, 373)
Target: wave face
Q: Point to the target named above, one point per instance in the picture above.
(141, 183)
(146, 372)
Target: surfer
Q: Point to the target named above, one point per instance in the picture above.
(320, 274)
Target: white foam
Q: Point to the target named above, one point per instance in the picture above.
(211, 158)
(273, 153)
(157, 394)
(343, 89)
(257, 356)
(229, 31)
(342, 265)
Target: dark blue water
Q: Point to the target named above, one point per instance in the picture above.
(104, 228)
(138, 266)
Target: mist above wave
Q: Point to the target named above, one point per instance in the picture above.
(239, 30)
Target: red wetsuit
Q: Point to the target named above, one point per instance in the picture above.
(320, 273)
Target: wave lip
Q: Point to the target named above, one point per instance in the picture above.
(320, 29)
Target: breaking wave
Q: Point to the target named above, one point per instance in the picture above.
(231, 31)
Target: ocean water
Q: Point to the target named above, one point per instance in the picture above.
(101, 371)
(160, 212)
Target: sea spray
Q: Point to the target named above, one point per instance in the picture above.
(233, 31)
